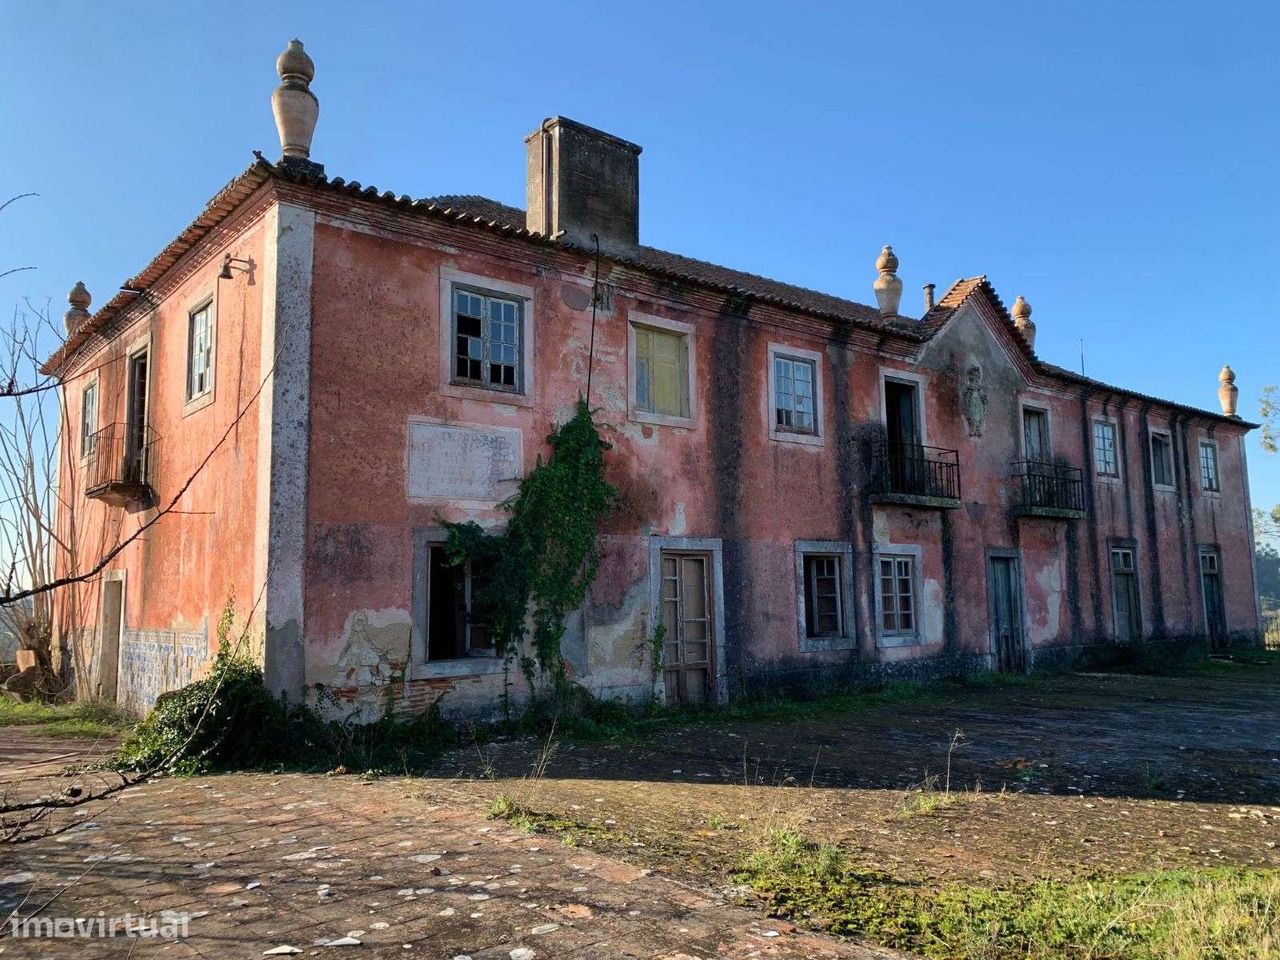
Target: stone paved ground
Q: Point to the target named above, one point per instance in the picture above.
(264, 861)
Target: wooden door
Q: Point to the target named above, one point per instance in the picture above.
(111, 626)
(136, 422)
(1124, 585)
(1006, 615)
(688, 668)
(1214, 614)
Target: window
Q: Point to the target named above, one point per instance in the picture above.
(1035, 436)
(661, 371)
(897, 595)
(89, 420)
(1106, 460)
(457, 626)
(486, 333)
(1209, 466)
(1162, 460)
(200, 351)
(794, 394)
(824, 607)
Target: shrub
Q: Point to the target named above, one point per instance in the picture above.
(227, 720)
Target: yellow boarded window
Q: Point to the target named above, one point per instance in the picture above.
(662, 372)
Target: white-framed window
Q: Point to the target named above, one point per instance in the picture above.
(1209, 481)
(200, 351)
(896, 569)
(824, 595)
(1162, 473)
(487, 330)
(795, 394)
(662, 364)
(1106, 449)
(89, 420)
(897, 595)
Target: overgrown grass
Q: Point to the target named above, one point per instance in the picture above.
(90, 719)
(1224, 914)
(579, 716)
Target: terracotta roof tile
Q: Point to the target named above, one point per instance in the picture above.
(508, 220)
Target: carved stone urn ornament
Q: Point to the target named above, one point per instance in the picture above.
(1228, 392)
(295, 106)
(975, 401)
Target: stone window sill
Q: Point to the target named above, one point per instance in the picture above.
(468, 667)
(826, 644)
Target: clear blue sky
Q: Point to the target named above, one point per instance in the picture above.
(1116, 163)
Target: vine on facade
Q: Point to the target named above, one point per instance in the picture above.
(541, 567)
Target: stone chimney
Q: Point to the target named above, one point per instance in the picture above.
(1022, 320)
(887, 286)
(1228, 393)
(583, 181)
(928, 296)
(78, 312)
(296, 107)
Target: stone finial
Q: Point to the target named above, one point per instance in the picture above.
(294, 105)
(887, 286)
(78, 312)
(1022, 320)
(1228, 393)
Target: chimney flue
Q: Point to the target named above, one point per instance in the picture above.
(582, 182)
(295, 107)
(887, 286)
(928, 296)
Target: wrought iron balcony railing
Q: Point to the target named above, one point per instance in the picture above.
(119, 464)
(1049, 489)
(911, 473)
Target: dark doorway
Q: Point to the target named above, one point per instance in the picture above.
(1214, 612)
(1124, 588)
(688, 669)
(456, 625)
(1006, 615)
(908, 473)
(135, 441)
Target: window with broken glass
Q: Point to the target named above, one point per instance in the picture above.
(897, 596)
(824, 606)
(487, 348)
(793, 395)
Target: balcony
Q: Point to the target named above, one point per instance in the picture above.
(118, 468)
(912, 475)
(1051, 490)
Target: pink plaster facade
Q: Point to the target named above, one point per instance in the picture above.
(321, 523)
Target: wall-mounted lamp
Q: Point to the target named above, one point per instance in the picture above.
(229, 263)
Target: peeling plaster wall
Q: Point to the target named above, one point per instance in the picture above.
(181, 573)
(376, 315)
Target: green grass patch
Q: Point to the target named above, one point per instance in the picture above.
(90, 719)
(1226, 914)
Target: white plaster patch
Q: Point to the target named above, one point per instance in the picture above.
(933, 611)
(1049, 580)
(880, 526)
(454, 462)
(679, 524)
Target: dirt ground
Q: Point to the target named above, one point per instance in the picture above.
(1062, 776)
